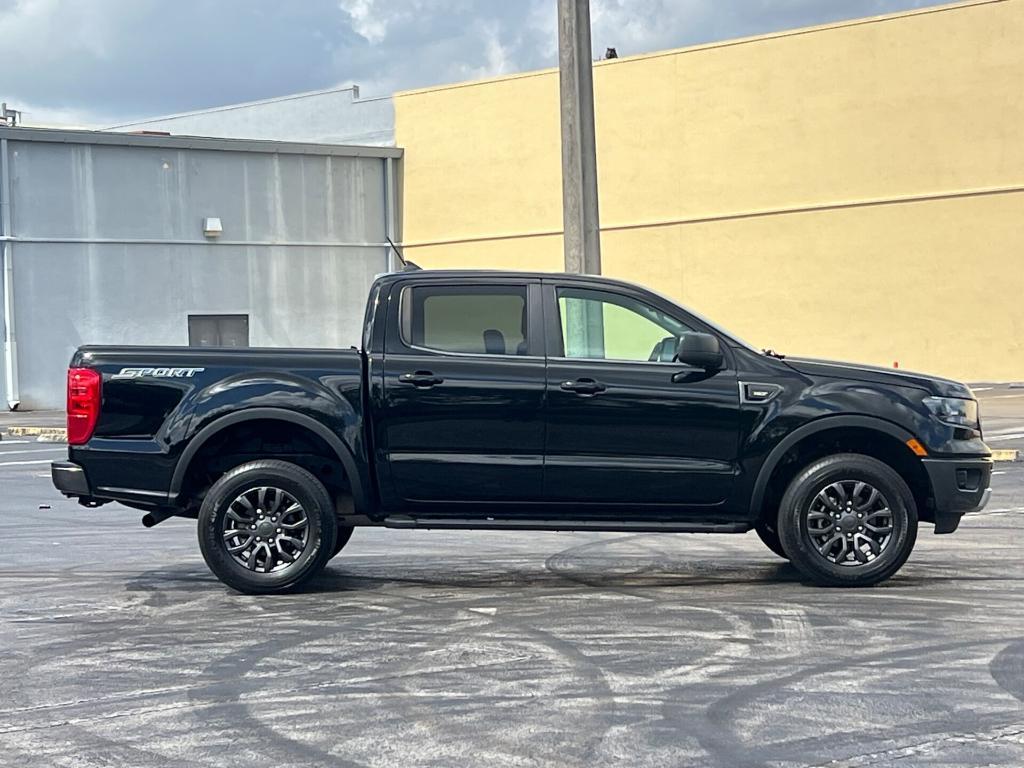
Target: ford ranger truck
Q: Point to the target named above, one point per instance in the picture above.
(515, 401)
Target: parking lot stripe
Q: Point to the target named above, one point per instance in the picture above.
(31, 450)
(23, 463)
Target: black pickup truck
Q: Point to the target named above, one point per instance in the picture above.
(514, 401)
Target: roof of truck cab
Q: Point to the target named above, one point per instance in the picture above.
(421, 273)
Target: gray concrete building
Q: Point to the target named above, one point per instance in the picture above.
(107, 239)
(333, 116)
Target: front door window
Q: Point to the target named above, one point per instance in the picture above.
(597, 325)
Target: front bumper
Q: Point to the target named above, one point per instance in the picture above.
(959, 486)
(69, 479)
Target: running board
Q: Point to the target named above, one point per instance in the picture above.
(500, 524)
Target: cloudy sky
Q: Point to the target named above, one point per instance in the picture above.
(99, 62)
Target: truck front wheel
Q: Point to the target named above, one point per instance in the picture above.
(266, 527)
(848, 520)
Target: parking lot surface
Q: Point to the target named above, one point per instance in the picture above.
(118, 647)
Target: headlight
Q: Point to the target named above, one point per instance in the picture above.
(954, 411)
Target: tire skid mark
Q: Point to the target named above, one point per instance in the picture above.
(1007, 669)
(725, 749)
(226, 669)
(719, 735)
(222, 700)
(77, 724)
(595, 679)
(119, 699)
(853, 740)
(91, 640)
(710, 665)
(887, 757)
(557, 564)
(173, 600)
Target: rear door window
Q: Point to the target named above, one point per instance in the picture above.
(469, 319)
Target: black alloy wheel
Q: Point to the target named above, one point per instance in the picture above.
(265, 529)
(848, 520)
(267, 526)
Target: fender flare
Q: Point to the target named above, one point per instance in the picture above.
(811, 428)
(274, 414)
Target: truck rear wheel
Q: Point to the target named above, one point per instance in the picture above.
(848, 521)
(266, 527)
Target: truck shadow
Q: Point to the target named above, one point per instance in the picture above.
(462, 574)
(559, 572)
(613, 574)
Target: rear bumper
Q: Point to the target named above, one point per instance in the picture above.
(959, 486)
(69, 478)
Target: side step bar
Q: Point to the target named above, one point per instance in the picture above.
(515, 524)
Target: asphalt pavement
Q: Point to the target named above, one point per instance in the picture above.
(1002, 414)
(118, 647)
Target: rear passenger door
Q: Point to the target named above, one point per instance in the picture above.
(463, 377)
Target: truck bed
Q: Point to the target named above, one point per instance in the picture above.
(156, 399)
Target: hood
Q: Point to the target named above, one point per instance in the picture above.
(892, 376)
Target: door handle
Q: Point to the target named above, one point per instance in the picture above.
(421, 379)
(583, 386)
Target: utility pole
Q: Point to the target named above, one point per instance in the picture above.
(581, 224)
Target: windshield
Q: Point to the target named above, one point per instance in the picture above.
(723, 332)
(731, 337)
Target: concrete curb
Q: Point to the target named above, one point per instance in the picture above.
(41, 434)
(1006, 455)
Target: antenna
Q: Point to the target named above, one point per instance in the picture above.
(407, 266)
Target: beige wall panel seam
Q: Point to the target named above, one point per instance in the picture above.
(711, 218)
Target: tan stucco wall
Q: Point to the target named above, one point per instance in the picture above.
(853, 191)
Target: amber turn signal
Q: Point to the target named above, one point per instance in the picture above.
(916, 447)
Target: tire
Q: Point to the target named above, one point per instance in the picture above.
(770, 537)
(848, 521)
(344, 534)
(294, 514)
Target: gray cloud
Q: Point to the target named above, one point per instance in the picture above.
(111, 60)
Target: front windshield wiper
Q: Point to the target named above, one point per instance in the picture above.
(773, 353)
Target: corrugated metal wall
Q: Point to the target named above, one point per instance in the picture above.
(108, 246)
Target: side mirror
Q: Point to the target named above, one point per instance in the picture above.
(701, 350)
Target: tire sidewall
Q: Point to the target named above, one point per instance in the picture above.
(306, 489)
(793, 524)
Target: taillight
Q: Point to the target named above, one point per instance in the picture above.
(83, 404)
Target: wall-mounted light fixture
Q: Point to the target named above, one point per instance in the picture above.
(212, 227)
